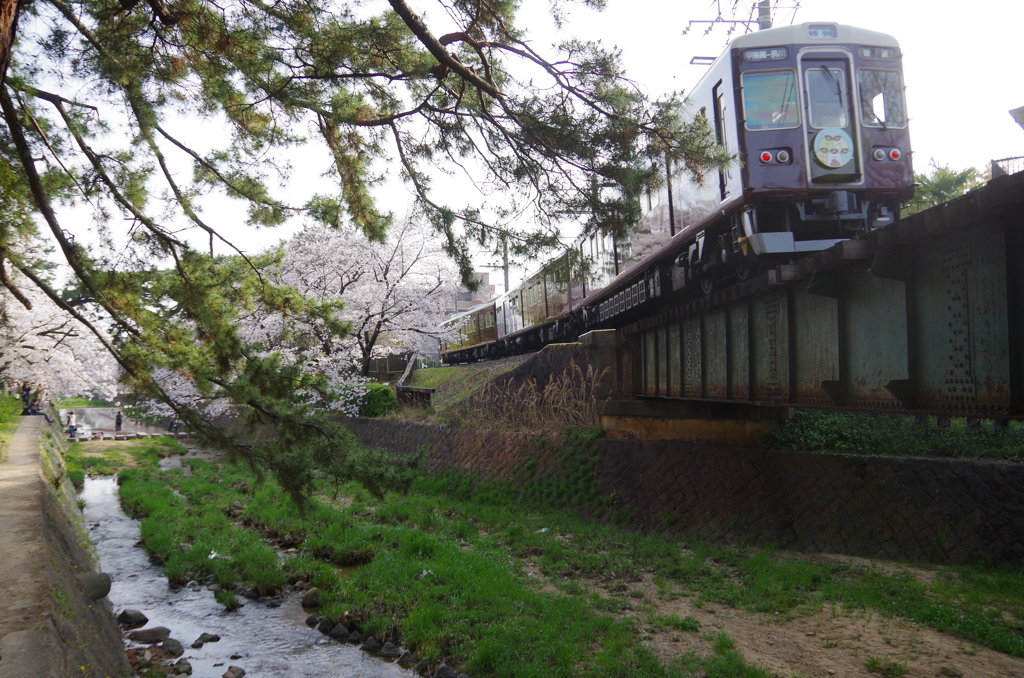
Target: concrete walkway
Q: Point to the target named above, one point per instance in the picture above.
(25, 649)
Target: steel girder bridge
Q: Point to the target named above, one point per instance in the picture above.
(923, 317)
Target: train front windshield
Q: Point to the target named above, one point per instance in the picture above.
(881, 98)
(826, 94)
(769, 100)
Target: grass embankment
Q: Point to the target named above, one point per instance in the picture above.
(454, 384)
(899, 435)
(480, 576)
(10, 418)
(70, 402)
(107, 457)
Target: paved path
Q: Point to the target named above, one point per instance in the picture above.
(23, 581)
(28, 647)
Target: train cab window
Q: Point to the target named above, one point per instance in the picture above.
(769, 100)
(826, 97)
(881, 98)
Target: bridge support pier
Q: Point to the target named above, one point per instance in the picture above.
(736, 424)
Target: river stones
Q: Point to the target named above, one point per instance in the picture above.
(445, 671)
(182, 667)
(96, 585)
(132, 618)
(234, 672)
(205, 638)
(325, 626)
(355, 638)
(407, 659)
(173, 647)
(371, 645)
(339, 632)
(389, 651)
(311, 598)
(312, 620)
(150, 636)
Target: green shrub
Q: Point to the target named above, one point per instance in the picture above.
(378, 400)
(837, 432)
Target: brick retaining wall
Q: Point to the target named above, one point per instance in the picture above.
(909, 509)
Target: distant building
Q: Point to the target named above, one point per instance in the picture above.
(466, 300)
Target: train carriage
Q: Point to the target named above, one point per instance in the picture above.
(816, 118)
(815, 114)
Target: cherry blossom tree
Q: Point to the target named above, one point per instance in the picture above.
(389, 297)
(40, 343)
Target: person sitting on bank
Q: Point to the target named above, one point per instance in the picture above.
(37, 408)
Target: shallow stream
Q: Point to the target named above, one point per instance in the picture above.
(267, 642)
(92, 419)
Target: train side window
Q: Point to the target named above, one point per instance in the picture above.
(826, 95)
(769, 100)
(881, 98)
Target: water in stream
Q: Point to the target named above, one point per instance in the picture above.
(268, 642)
(92, 419)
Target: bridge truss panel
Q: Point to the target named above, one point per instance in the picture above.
(926, 316)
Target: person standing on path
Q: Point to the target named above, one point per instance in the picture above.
(117, 422)
(72, 424)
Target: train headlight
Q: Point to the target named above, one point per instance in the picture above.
(782, 156)
(879, 154)
(766, 157)
(895, 154)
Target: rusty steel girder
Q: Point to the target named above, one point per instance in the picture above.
(924, 316)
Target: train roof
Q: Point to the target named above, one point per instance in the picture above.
(799, 34)
(474, 309)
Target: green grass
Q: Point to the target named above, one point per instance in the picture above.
(10, 418)
(889, 669)
(434, 377)
(439, 570)
(456, 383)
(75, 401)
(897, 435)
(82, 459)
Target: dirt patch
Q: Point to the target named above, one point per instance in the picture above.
(827, 641)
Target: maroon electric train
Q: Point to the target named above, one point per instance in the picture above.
(816, 118)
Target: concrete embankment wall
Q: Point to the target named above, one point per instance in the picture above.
(51, 623)
(938, 511)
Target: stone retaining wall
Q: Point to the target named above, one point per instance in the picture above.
(937, 511)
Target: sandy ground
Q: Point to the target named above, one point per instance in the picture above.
(808, 643)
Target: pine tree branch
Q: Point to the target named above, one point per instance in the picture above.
(433, 45)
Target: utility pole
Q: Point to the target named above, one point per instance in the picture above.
(504, 262)
(764, 14)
